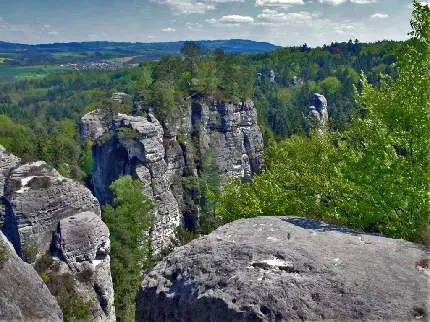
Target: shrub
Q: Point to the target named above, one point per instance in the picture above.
(29, 252)
(4, 253)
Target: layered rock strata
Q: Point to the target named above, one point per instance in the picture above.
(161, 155)
(288, 269)
(50, 215)
(37, 197)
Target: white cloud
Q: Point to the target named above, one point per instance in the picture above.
(379, 16)
(194, 26)
(231, 21)
(332, 2)
(277, 3)
(274, 16)
(168, 30)
(192, 6)
(363, 1)
(423, 3)
(236, 19)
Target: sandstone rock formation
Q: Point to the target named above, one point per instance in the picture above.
(288, 269)
(23, 294)
(7, 162)
(272, 76)
(49, 214)
(232, 134)
(137, 149)
(318, 114)
(83, 242)
(95, 124)
(37, 197)
(161, 155)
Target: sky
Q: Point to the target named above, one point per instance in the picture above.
(281, 22)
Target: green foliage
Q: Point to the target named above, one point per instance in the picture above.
(75, 309)
(63, 287)
(4, 253)
(129, 221)
(210, 182)
(372, 177)
(29, 252)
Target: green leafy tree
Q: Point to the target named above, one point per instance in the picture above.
(374, 176)
(129, 221)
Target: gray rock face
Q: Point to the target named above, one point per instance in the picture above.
(272, 76)
(119, 97)
(318, 113)
(288, 269)
(7, 162)
(95, 124)
(161, 157)
(231, 133)
(137, 149)
(23, 294)
(83, 241)
(37, 197)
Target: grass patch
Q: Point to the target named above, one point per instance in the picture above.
(32, 72)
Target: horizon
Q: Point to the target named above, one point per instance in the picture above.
(279, 22)
(197, 41)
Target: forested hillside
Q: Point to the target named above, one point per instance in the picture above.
(372, 107)
(39, 117)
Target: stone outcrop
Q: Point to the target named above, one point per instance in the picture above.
(161, 155)
(95, 124)
(288, 269)
(136, 148)
(272, 76)
(37, 197)
(318, 114)
(231, 133)
(7, 162)
(83, 242)
(47, 213)
(23, 294)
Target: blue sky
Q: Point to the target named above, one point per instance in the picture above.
(282, 22)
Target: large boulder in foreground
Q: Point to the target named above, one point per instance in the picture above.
(23, 294)
(288, 269)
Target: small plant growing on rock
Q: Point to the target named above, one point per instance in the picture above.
(29, 252)
(4, 253)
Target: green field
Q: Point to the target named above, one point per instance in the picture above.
(31, 72)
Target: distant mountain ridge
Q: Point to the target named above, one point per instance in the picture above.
(232, 46)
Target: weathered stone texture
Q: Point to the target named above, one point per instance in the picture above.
(231, 133)
(23, 294)
(288, 269)
(95, 124)
(83, 242)
(318, 114)
(37, 197)
(161, 157)
(7, 162)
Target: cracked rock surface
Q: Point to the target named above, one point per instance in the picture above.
(7, 162)
(37, 197)
(23, 294)
(288, 269)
